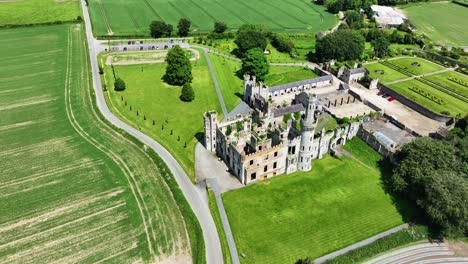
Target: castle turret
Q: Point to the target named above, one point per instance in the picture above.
(307, 136)
(211, 123)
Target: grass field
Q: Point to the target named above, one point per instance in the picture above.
(338, 203)
(232, 87)
(388, 74)
(443, 78)
(421, 66)
(394, 70)
(450, 103)
(443, 22)
(153, 99)
(286, 74)
(72, 189)
(133, 17)
(38, 11)
(219, 226)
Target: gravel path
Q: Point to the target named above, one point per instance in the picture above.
(191, 192)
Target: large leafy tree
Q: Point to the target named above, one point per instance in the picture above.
(179, 68)
(255, 63)
(340, 45)
(381, 47)
(183, 27)
(251, 37)
(433, 174)
(160, 29)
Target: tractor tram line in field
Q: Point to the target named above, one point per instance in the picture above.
(110, 154)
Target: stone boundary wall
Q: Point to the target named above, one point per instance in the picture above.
(371, 105)
(443, 59)
(413, 105)
(320, 72)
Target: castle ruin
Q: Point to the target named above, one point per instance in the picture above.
(280, 134)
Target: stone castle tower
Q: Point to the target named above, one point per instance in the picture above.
(211, 123)
(307, 136)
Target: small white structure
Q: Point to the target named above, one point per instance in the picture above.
(387, 16)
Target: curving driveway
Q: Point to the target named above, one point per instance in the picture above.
(192, 194)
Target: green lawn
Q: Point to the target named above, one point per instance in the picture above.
(443, 78)
(287, 74)
(232, 87)
(443, 22)
(133, 17)
(38, 11)
(422, 66)
(388, 74)
(450, 103)
(219, 226)
(71, 188)
(154, 100)
(338, 203)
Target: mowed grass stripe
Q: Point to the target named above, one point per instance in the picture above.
(309, 214)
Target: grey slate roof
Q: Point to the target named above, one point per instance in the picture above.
(300, 83)
(357, 70)
(287, 110)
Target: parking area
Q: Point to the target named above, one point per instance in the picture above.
(140, 45)
(409, 117)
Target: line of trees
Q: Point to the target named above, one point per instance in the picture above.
(159, 29)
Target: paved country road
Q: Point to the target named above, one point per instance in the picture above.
(191, 192)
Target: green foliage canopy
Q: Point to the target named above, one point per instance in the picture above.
(179, 68)
(251, 37)
(341, 45)
(187, 94)
(183, 27)
(119, 84)
(160, 29)
(255, 63)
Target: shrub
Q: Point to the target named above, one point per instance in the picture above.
(119, 85)
(187, 94)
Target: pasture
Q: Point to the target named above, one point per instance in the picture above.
(73, 189)
(309, 214)
(178, 125)
(443, 22)
(38, 11)
(133, 17)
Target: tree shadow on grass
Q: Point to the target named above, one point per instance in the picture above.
(409, 211)
(200, 136)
